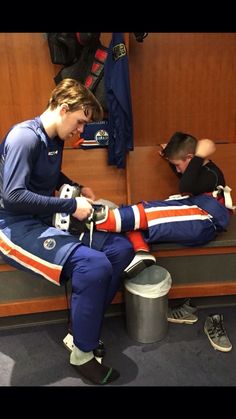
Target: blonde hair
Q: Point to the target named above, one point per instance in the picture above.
(76, 96)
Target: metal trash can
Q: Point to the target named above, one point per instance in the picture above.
(146, 304)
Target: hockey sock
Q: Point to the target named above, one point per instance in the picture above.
(79, 357)
(137, 240)
(123, 219)
(97, 373)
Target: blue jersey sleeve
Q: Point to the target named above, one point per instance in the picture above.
(19, 155)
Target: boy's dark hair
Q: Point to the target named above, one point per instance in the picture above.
(179, 145)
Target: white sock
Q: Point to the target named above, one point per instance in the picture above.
(79, 357)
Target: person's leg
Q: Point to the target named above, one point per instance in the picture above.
(142, 259)
(176, 220)
(125, 219)
(138, 242)
(120, 253)
(91, 274)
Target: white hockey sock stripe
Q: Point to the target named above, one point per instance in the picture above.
(117, 216)
(136, 217)
(159, 215)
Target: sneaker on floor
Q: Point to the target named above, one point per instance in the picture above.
(216, 333)
(140, 261)
(182, 314)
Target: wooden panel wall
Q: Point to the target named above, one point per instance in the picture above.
(179, 81)
(151, 178)
(89, 168)
(183, 82)
(26, 75)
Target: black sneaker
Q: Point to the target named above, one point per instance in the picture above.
(216, 333)
(183, 313)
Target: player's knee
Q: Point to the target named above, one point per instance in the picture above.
(103, 266)
(94, 270)
(124, 250)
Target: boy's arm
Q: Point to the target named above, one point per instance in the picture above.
(205, 148)
(197, 177)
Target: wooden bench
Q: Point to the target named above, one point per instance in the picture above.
(199, 271)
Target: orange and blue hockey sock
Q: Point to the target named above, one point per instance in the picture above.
(124, 219)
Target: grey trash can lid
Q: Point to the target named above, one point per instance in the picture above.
(154, 274)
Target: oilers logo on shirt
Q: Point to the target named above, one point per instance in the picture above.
(49, 244)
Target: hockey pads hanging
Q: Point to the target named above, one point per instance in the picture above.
(64, 47)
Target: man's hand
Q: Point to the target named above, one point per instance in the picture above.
(205, 148)
(88, 193)
(84, 208)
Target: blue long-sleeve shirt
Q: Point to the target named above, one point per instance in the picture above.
(30, 172)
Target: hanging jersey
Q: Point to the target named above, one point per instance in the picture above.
(116, 74)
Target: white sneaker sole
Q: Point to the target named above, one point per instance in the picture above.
(138, 264)
(181, 321)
